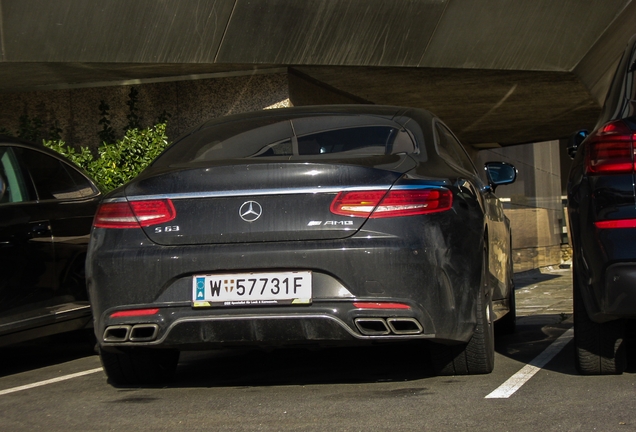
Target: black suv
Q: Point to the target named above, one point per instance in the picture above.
(602, 215)
(46, 212)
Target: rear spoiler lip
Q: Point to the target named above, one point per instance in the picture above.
(266, 192)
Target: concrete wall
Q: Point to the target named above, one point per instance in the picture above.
(533, 203)
(189, 103)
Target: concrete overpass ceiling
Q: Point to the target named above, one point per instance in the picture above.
(597, 66)
(113, 31)
(477, 34)
(481, 106)
(38, 76)
(503, 71)
(342, 32)
(543, 35)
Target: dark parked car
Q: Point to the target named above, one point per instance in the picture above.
(46, 212)
(315, 225)
(602, 214)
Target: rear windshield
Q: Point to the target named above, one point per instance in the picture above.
(309, 137)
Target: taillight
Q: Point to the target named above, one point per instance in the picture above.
(134, 313)
(134, 214)
(394, 203)
(356, 203)
(611, 150)
(616, 223)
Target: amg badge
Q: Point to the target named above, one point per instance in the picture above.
(332, 223)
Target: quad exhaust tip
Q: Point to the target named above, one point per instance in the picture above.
(131, 333)
(118, 333)
(372, 326)
(404, 326)
(386, 326)
(144, 332)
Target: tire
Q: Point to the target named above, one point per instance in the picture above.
(508, 323)
(600, 348)
(139, 366)
(478, 355)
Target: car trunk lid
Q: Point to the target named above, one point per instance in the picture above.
(259, 202)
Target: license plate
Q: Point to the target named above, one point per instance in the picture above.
(251, 289)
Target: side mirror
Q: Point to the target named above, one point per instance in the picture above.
(576, 140)
(500, 173)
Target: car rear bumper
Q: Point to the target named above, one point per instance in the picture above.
(440, 284)
(323, 323)
(619, 294)
(606, 270)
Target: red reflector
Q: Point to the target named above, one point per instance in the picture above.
(395, 203)
(134, 214)
(134, 313)
(380, 305)
(618, 223)
(610, 150)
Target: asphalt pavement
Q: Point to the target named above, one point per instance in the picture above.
(544, 294)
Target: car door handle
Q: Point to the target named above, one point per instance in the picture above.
(40, 229)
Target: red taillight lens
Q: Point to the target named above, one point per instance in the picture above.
(415, 202)
(153, 212)
(134, 214)
(134, 313)
(356, 203)
(395, 203)
(611, 150)
(617, 223)
(380, 305)
(115, 215)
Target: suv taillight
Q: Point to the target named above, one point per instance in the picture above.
(611, 150)
(133, 214)
(394, 203)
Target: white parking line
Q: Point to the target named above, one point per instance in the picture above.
(50, 381)
(515, 382)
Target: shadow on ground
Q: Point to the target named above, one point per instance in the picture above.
(347, 365)
(533, 277)
(46, 351)
(387, 363)
(300, 366)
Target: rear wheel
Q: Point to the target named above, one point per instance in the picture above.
(478, 355)
(139, 365)
(600, 348)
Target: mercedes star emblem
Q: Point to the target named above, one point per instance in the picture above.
(250, 211)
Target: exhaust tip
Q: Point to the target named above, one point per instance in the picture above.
(131, 333)
(118, 333)
(143, 332)
(372, 326)
(404, 326)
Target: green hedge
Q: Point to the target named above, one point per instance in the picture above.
(117, 163)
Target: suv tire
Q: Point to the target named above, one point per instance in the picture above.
(600, 348)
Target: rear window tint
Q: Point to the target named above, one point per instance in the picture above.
(284, 138)
(374, 140)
